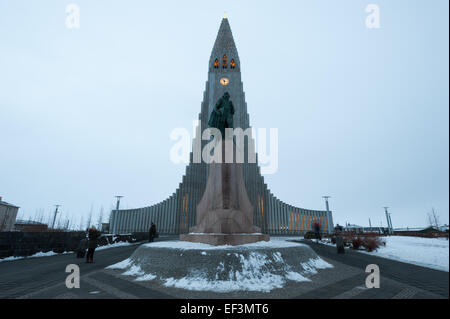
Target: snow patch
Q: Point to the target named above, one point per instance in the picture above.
(185, 245)
(146, 277)
(120, 244)
(124, 264)
(258, 272)
(295, 276)
(426, 252)
(39, 254)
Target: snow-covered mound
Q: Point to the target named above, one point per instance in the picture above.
(427, 252)
(262, 266)
(119, 244)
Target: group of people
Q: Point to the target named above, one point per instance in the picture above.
(90, 242)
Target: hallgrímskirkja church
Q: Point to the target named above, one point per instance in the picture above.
(177, 213)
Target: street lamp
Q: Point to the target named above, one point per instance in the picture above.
(329, 217)
(54, 216)
(117, 212)
(326, 202)
(388, 219)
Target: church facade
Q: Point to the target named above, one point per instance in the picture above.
(177, 214)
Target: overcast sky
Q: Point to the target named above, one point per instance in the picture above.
(362, 114)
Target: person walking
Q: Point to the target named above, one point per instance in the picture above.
(152, 233)
(81, 250)
(317, 231)
(93, 235)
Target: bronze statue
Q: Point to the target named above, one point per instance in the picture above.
(222, 114)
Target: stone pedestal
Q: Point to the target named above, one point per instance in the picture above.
(224, 239)
(225, 213)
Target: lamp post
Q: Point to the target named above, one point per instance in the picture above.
(330, 220)
(388, 220)
(54, 216)
(117, 212)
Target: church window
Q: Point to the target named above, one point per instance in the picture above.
(216, 64)
(232, 64)
(224, 61)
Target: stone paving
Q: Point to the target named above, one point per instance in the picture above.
(45, 278)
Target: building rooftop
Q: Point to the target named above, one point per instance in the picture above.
(7, 204)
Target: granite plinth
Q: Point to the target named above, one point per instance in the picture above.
(224, 239)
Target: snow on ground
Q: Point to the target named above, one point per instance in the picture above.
(426, 252)
(120, 244)
(275, 242)
(39, 254)
(253, 275)
(51, 253)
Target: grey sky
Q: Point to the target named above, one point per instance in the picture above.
(362, 113)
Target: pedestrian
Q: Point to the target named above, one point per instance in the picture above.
(152, 233)
(93, 235)
(81, 250)
(317, 231)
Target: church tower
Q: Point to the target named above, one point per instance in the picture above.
(177, 214)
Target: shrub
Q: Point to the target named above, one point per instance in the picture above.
(357, 242)
(310, 235)
(372, 243)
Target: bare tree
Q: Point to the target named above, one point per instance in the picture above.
(433, 218)
(100, 219)
(82, 223)
(88, 225)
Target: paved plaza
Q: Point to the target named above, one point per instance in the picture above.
(45, 278)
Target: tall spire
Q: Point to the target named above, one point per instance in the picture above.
(224, 44)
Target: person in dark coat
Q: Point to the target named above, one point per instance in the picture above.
(93, 235)
(82, 246)
(152, 233)
(317, 231)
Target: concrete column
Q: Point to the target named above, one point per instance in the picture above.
(162, 218)
(283, 217)
(280, 217)
(140, 227)
(170, 205)
(307, 220)
(270, 216)
(277, 215)
(165, 212)
(126, 214)
(112, 222)
(134, 220)
(301, 220)
(330, 222)
(174, 214)
(152, 215)
(158, 217)
(120, 223)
